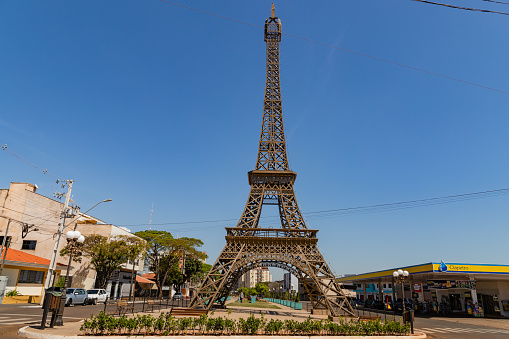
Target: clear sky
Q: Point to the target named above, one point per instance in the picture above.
(146, 102)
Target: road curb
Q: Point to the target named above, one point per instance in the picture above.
(27, 334)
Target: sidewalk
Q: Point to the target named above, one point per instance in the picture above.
(488, 322)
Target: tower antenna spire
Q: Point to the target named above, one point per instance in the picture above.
(273, 12)
(150, 221)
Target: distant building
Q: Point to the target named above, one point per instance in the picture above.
(253, 277)
(287, 282)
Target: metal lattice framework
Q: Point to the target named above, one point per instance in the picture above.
(293, 247)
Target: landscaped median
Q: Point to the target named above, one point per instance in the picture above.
(168, 326)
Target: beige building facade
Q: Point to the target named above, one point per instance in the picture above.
(21, 207)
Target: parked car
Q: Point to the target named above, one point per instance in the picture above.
(75, 296)
(97, 296)
(398, 305)
(178, 295)
(368, 303)
(378, 305)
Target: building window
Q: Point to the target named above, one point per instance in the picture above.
(28, 244)
(31, 277)
(2, 240)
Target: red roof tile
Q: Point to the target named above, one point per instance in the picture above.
(143, 280)
(15, 255)
(150, 276)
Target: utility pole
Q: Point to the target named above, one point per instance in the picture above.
(5, 244)
(51, 270)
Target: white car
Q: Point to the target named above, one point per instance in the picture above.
(76, 296)
(97, 296)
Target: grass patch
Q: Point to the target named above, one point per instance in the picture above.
(257, 304)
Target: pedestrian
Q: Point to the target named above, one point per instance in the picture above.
(241, 296)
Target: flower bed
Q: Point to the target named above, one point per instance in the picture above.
(166, 324)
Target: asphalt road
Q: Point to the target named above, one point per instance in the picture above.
(445, 329)
(13, 317)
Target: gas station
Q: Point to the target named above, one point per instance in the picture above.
(478, 290)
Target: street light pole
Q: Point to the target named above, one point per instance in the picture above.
(51, 269)
(401, 276)
(73, 237)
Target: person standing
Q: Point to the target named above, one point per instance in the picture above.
(241, 296)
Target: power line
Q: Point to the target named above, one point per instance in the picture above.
(28, 161)
(344, 49)
(21, 199)
(460, 7)
(497, 2)
(476, 194)
(362, 209)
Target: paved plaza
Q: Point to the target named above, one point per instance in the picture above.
(435, 327)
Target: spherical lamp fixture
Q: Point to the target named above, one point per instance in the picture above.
(69, 235)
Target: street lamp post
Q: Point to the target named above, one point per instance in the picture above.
(74, 239)
(401, 276)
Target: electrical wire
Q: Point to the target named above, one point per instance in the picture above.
(27, 161)
(461, 7)
(355, 210)
(22, 199)
(22, 223)
(41, 226)
(497, 2)
(346, 50)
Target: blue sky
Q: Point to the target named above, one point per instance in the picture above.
(146, 102)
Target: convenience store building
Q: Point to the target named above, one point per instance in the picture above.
(448, 288)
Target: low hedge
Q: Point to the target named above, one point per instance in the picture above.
(166, 324)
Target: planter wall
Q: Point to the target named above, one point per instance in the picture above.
(22, 299)
(292, 304)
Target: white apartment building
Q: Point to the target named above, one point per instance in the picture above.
(255, 276)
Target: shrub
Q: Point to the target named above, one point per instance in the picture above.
(12, 293)
(166, 324)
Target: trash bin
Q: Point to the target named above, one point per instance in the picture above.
(51, 304)
(408, 316)
(54, 301)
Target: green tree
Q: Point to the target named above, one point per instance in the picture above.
(261, 289)
(176, 278)
(106, 255)
(163, 251)
(193, 267)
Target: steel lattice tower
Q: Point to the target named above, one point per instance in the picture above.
(293, 247)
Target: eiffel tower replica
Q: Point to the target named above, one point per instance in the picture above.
(293, 247)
